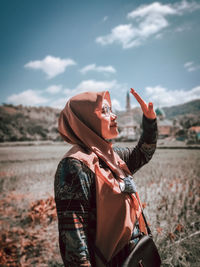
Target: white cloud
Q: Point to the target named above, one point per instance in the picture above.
(93, 85)
(36, 97)
(182, 28)
(190, 66)
(54, 89)
(154, 8)
(189, 6)
(27, 98)
(52, 66)
(93, 67)
(88, 85)
(162, 97)
(59, 103)
(116, 105)
(122, 34)
(148, 20)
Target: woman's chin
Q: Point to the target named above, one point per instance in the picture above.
(114, 134)
(114, 137)
(111, 133)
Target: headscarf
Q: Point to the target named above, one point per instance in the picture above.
(80, 124)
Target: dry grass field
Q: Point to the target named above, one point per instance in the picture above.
(168, 187)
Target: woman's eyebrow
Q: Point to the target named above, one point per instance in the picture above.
(106, 105)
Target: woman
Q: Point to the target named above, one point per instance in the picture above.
(96, 220)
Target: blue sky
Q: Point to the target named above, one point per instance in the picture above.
(54, 49)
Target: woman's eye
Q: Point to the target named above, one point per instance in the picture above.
(106, 110)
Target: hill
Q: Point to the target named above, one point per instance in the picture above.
(187, 114)
(192, 107)
(20, 123)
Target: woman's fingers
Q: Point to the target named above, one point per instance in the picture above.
(147, 109)
(138, 98)
(150, 105)
(151, 113)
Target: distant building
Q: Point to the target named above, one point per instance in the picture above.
(129, 123)
(129, 129)
(166, 127)
(194, 134)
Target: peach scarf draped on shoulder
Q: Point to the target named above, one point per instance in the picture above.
(80, 125)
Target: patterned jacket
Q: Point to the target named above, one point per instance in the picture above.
(75, 197)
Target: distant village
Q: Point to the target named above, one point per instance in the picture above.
(129, 124)
(176, 123)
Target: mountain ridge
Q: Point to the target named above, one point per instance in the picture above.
(25, 123)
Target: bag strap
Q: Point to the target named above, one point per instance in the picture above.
(147, 226)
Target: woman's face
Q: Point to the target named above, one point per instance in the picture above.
(109, 125)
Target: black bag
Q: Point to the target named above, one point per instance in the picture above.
(144, 254)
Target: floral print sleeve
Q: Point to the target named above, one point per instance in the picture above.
(73, 183)
(136, 157)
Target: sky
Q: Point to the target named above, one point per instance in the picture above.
(51, 50)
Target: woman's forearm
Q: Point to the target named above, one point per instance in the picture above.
(136, 157)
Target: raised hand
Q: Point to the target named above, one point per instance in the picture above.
(147, 109)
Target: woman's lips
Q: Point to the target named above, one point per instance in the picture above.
(114, 125)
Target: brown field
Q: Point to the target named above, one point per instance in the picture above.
(168, 187)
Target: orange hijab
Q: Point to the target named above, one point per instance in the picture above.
(80, 124)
